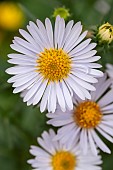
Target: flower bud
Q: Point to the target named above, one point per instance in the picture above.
(105, 33)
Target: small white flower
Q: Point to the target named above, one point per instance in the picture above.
(53, 65)
(56, 156)
(87, 118)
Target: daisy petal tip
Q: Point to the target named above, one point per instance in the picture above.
(8, 81)
(93, 89)
(29, 161)
(24, 99)
(7, 71)
(11, 45)
(101, 74)
(28, 104)
(109, 152)
(42, 110)
(47, 19)
(47, 123)
(14, 91)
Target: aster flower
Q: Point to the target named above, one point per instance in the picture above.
(51, 67)
(87, 119)
(53, 155)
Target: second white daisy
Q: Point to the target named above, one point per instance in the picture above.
(88, 117)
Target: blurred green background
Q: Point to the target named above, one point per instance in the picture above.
(20, 125)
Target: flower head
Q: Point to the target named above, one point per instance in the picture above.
(105, 33)
(52, 66)
(62, 11)
(11, 17)
(53, 155)
(87, 117)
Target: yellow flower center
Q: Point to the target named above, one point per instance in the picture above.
(63, 160)
(88, 114)
(54, 64)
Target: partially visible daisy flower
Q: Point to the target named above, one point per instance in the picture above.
(87, 119)
(52, 66)
(52, 155)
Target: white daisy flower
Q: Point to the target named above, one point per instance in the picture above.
(53, 65)
(52, 155)
(87, 119)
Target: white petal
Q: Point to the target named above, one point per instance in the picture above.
(26, 44)
(87, 60)
(40, 92)
(106, 99)
(19, 70)
(106, 128)
(107, 109)
(26, 85)
(85, 77)
(60, 96)
(96, 73)
(105, 134)
(73, 34)
(42, 33)
(28, 37)
(83, 56)
(56, 30)
(61, 32)
(24, 79)
(22, 56)
(75, 88)
(85, 50)
(67, 32)
(67, 96)
(23, 50)
(33, 89)
(49, 30)
(92, 144)
(82, 82)
(81, 46)
(72, 42)
(99, 142)
(80, 38)
(53, 98)
(44, 100)
(84, 141)
(102, 87)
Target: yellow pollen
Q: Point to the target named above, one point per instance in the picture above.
(63, 160)
(54, 64)
(88, 114)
